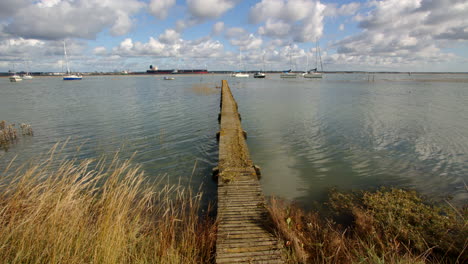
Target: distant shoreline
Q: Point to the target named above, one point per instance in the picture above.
(50, 74)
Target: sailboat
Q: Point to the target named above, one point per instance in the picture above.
(15, 77)
(240, 74)
(27, 75)
(313, 73)
(288, 73)
(261, 74)
(69, 76)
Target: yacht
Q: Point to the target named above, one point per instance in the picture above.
(314, 73)
(240, 75)
(27, 76)
(69, 76)
(259, 75)
(15, 78)
(288, 74)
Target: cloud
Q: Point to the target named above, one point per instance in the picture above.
(218, 28)
(208, 9)
(247, 42)
(200, 48)
(405, 32)
(9, 8)
(235, 32)
(299, 20)
(277, 29)
(51, 20)
(160, 8)
(169, 36)
(100, 51)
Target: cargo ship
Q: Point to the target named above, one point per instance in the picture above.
(155, 70)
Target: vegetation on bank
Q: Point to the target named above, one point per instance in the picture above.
(98, 211)
(385, 226)
(9, 133)
(89, 212)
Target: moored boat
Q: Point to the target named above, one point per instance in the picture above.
(259, 75)
(69, 76)
(240, 75)
(15, 78)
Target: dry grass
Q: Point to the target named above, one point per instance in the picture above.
(387, 226)
(89, 212)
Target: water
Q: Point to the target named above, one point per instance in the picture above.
(351, 131)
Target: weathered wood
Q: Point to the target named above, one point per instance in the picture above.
(242, 236)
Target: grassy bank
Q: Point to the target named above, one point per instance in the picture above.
(89, 212)
(386, 226)
(98, 211)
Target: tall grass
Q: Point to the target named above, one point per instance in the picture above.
(386, 226)
(98, 211)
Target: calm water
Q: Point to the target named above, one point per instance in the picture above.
(307, 135)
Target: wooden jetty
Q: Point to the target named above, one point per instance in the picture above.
(242, 236)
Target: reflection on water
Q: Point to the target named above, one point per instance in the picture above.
(352, 131)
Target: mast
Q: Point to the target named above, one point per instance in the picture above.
(318, 56)
(66, 57)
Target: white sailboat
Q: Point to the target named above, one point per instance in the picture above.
(240, 74)
(314, 73)
(15, 77)
(27, 75)
(288, 74)
(68, 76)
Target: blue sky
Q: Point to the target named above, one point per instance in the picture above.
(107, 35)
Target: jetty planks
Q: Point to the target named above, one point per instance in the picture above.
(242, 236)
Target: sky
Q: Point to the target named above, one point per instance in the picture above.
(116, 35)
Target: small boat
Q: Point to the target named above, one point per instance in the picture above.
(27, 76)
(314, 73)
(288, 75)
(72, 77)
(68, 76)
(15, 78)
(168, 78)
(259, 75)
(240, 75)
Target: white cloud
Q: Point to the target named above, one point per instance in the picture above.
(169, 36)
(299, 20)
(341, 27)
(100, 51)
(235, 32)
(79, 18)
(272, 28)
(247, 42)
(218, 28)
(160, 8)
(406, 32)
(206, 9)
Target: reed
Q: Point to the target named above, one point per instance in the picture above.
(386, 226)
(99, 211)
(9, 133)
